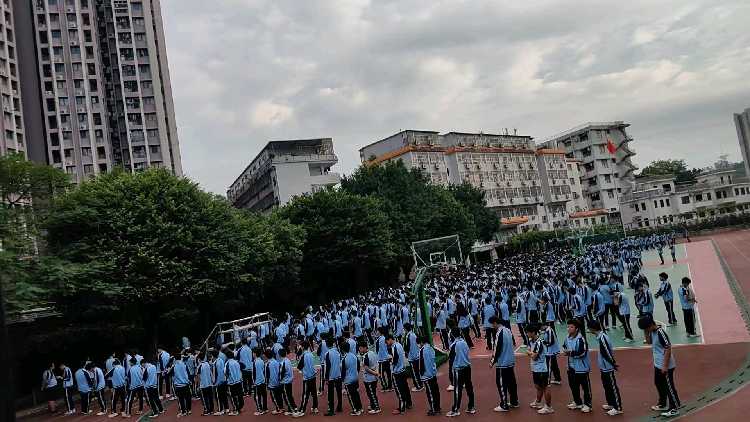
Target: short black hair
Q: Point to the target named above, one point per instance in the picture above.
(645, 321)
(686, 280)
(532, 328)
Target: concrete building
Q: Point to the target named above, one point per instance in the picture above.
(604, 175)
(656, 201)
(527, 188)
(283, 170)
(742, 123)
(12, 125)
(103, 90)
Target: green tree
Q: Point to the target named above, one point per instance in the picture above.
(348, 242)
(472, 198)
(676, 168)
(20, 181)
(416, 208)
(150, 245)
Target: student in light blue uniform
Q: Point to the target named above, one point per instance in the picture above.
(384, 360)
(461, 365)
(245, 357)
(350, 372)
(182, 383)
(100, 383)
(220, 383)
(398, 364)
(259, 371)
(85, 386)
(539, 371)
(286, 377)
(427, 372)
(206, 384)
(151, 384)
(135, 387)
(233, 371)
(665, 292)
(576, 348)
(68, 383)
(118, 377)
(687, 302)
(412, 355)
(333, 377)
(370, 376)
(504, 361)
(273, 378)
(624, 315)
(552, 348)
(607, 367)
(306, 365)
(664, 366)
(441, 324)
(488, 311)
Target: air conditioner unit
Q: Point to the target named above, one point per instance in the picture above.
(81, 109)
(73, 42)
(502, 201)
(71, 9)
(83, 126)
(49, 93)
(507, 184)
(60, 77)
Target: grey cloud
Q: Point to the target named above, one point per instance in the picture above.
(246, 72)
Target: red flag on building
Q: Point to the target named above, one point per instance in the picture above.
(611, 147)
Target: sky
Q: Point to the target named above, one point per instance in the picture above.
(245, 72)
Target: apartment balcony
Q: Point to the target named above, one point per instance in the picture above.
(328, 179)
(310, 158)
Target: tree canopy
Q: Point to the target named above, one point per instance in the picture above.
(676, 168)
(151, 242)
(348, 242)
(416, 208)
(472, 198)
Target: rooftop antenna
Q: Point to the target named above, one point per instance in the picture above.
(515, 131)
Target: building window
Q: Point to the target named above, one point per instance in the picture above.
(661, 203)
(708, 196)
(685, 199)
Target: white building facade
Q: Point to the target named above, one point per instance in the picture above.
(526, 187)
(658, 201)
(604, 175)
(283, 170)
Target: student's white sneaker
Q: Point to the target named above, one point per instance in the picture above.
(450, 388)
(113, 415)
(670, 413)
(374, 411)
(275, 412)
(535, 405)
(298, 414)
(585, 409)
(500, 409)
(415, 389)
(219, 413)
(574, 406)
(555, 382)
(628, 340)
(452, 414)
(606, 407)
(658, 408)
(545, 410)
(471, 411)
(614, 412)
(315, 411)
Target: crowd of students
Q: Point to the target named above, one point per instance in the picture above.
(377, 339)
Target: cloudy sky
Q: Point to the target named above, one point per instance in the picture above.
(248, 71)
